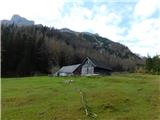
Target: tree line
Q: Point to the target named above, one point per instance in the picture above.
(153, 64)
(30, 50)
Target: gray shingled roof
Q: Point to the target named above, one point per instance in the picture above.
(98, 64)
(69, 69)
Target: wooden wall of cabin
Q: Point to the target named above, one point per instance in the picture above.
(87, 68)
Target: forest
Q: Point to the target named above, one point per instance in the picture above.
(37, 49)
(153, 65)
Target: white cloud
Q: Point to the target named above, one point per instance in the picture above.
(100, 21)
(142, 34)
(147, 31)
(146, 34)
(144, 51)
(145, 8)
(38, 10)
(78, 19)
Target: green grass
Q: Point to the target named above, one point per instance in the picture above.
(116, 97)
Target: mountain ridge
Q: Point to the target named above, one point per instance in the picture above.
(21, 21)
(18, 20)
(99, 41)
(40, 48)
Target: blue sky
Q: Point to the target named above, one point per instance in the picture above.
(134, 23)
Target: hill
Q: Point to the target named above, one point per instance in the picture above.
(18, 20)
(116, 97)
(32, 49)
(102, 45)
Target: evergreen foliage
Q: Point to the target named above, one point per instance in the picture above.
(153, 65)
(28, 50)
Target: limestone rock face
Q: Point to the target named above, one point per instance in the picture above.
(18, 20)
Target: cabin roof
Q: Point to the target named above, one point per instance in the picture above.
(69, 68)
(98, 64)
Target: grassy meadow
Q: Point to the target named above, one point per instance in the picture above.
(115, 97)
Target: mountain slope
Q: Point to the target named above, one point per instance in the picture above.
(102, 45)
(27, 50)
(18, 20)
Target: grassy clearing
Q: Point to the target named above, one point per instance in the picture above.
(116, 97)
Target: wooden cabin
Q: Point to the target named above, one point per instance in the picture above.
(89, 66)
